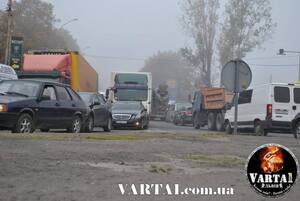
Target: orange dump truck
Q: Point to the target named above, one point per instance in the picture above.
(60, 66)
(209, 107)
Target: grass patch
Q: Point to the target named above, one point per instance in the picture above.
(115, 137)
(216, 160)
(160, 169)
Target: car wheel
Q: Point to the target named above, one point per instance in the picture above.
(297, 131)
(76, 125)
(108, 127)
(24, 124)
(228, 128)
(258, 130)
(46, 130)
(90, 125)
(220, 122)
(211, 121)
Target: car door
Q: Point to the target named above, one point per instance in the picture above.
(102, 109)
(282, 105)
(65, 106)
(296, 102)
(47, 107)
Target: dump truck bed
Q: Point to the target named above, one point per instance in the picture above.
(215, 98)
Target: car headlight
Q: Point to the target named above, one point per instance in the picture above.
(3, 108)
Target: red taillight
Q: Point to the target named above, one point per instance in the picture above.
(269, 111)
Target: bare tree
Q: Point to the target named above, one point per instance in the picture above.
(248, 23)
(200, 20)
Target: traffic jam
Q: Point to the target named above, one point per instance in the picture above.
(59, 97)
(149, 100)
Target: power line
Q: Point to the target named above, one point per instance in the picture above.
(275, 65)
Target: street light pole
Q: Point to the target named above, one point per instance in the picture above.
(283, 52)
(9, 30)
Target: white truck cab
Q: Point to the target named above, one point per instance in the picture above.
(7, 73)
(266, 108)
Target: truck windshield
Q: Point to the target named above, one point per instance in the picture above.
(131, 95)
(127, 78)
(19, 88)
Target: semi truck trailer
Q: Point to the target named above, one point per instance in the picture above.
(61, 66)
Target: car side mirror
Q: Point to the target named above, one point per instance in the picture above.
(45, 98)
(107, 94)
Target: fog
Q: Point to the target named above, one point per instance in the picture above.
(117, 35)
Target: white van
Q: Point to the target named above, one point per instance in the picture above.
(7, 73)
(266, 108)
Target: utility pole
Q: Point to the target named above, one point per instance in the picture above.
(9, 31)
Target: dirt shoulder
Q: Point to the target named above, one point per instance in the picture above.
(60, 166)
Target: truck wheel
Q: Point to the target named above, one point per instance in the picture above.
(24, 124)
(211, 121)
(258, 130)
(297, 130)
(220, 122)
(228, 128)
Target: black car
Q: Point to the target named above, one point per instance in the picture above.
(26, 105)
(130, 114)
(183, 116)
(99, 112)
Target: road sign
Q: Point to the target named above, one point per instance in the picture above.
(16, 52)
(236, 76)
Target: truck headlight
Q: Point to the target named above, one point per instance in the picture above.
(3, 108)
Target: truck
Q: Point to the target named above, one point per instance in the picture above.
(209, 107)
(131, 86)
(160, 100)
(68, 67)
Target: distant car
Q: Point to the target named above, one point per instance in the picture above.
(130, 114)
(170, 113)
(183, 113)
(7, 73)
(99, 111)
(26, 105)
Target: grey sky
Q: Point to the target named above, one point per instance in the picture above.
(131, 30)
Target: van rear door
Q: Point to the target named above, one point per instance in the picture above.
(282, 103)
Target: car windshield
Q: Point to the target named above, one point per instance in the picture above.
(126, 106)
(19, 88)
(86, 97)
(131, 95)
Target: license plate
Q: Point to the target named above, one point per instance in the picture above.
(121, 122)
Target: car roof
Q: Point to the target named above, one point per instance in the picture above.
(40, 82)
